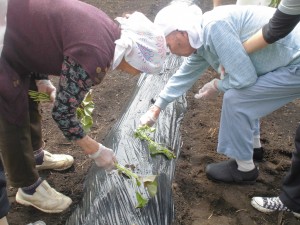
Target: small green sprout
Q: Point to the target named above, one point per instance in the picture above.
(149, 182)
(143, 133)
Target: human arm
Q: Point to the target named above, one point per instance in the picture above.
(184, 78)
(217, 3)
(74, 84)
(284, 20)
(189, 72)
(223, 40)
(103, 156)
(209, 90)
(44, 85)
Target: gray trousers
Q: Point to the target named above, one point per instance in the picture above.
(242, 108)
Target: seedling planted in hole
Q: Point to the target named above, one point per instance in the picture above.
(143, 133)
(149, 182)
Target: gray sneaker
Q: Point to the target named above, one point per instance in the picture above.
(45, 199)
(270, 204)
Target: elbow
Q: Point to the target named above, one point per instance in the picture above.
(250, 83)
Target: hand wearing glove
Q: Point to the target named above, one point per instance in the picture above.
(209, 90)
(47, 87)
(104, 158)
(222, 72)
(150, 117)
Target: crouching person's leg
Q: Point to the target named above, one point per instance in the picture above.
(19, 163)
(44, 159)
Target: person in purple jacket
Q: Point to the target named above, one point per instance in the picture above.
(80, 44)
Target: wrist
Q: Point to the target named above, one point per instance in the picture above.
(88, 144)
(96, 154)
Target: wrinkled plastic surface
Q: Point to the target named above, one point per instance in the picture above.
(109, 199)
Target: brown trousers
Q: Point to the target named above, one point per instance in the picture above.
(17, 143)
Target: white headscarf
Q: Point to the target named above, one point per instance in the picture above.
(183, 17)
(142, 44)
(3, 9)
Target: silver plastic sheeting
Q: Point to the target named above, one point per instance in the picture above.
(109, 198)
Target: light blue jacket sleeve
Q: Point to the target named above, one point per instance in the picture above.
(188, 73)
(223, 40)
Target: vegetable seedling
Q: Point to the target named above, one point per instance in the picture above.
(39, 96)
(143, 133)
(85, 110)
(149, 182)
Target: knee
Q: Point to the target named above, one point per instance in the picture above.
(231, 99)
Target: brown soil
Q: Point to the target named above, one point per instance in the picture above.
(198, 201)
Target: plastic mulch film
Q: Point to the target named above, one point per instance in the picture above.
(109, 198)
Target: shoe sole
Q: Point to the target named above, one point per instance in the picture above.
(38, 167)
(268, 211)
(26, 203)
(260, 208)
(231, 182)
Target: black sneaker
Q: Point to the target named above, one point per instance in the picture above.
(258, 154)
(268, 205)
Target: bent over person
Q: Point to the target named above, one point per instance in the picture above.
(254, 85)
(79, 43)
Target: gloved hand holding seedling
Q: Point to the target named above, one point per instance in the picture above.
(148, 181)
(143, 133)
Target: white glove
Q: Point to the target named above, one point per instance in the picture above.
(47, 87)
(209, 90)
(150, 117)
(104, 157)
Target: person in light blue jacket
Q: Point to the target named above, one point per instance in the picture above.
(254, 85)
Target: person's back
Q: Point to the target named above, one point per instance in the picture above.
(225, 29)
(41, 32)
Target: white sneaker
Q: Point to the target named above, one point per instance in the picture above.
(268, 205)
(45, 199)
(55, 161)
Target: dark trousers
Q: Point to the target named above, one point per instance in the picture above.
(290, 195)
(4, 203)
(17, 143)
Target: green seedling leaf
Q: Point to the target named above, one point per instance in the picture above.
(143, 133)
(88, 109)
(79, 112)
(274, 3)
(150, 182)
(85, 110)
(142, 202)
(39, 96)
(128, 173)
(87, 122)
